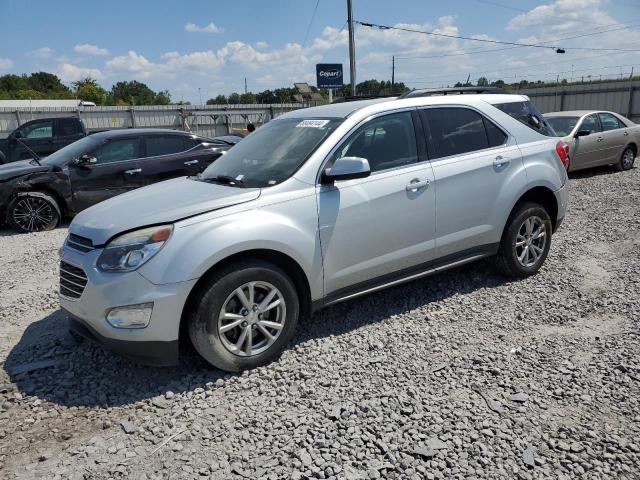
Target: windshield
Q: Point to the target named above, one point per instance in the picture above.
(272, 153)
(70, 152)
(562, 125)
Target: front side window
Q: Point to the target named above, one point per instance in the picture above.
(527, 114)
(590, 123)
(609, 122)
(386, 142)
(455, 131)
(117, 151)
(164, 145)
(271, 154)
(42, 129)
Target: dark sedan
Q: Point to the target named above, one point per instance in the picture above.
(36, 194)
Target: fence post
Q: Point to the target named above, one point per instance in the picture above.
(630, 104)
(133, 118)
(562, 93)
(18, 117)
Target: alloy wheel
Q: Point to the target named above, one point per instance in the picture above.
(530, 241)
(627, 158)
(33, 214)
(251, 318)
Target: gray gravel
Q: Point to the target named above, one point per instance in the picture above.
(461, 375)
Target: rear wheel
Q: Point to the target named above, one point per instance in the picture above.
(245, 316)
(33, 212)
(627, 159)
(526, 241)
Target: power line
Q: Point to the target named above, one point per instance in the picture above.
(485, 40)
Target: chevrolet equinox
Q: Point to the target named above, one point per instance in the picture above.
(318, 206)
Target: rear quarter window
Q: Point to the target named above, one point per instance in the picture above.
(527, 114)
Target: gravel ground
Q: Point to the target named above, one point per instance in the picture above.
(461, 375)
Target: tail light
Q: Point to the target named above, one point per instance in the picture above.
(562, 149)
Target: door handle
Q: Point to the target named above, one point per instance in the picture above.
(191, 162)
(416, 184)
(501, 161)
(599, 139)
(626, 134)
(133, 171)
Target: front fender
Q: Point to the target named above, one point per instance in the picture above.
(196, 247)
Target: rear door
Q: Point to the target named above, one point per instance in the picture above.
(472, 161)
(116, 171)
(588, 150)
(170, 156)
(614, 134)
(66, 131)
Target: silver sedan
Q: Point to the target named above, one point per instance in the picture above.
(597, 138)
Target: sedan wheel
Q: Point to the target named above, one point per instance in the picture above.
(33, 213)
(627, 159)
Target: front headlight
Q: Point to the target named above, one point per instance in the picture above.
(131, 250)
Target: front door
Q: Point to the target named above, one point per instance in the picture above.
(588, 150)
(473, 160)
(382, 226)
(116, 171)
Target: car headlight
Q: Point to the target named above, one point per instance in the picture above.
(131, 250)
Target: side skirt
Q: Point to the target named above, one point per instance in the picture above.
(407, 275)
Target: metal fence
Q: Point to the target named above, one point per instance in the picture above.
(619, 97)
(207, 120)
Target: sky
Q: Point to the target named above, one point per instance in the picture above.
(202, 48)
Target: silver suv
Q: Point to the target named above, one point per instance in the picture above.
(318, 206)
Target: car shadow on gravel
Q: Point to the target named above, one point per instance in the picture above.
(7, 231)
(73, 372)
(594, 172)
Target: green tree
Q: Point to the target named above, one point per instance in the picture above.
(219, 100)
(247, 98)
(13, 83)
(47, 83)
(483, 82)
(163, 98)
(131, 93)
(88, 90)
(234, 98)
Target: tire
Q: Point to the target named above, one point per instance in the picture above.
(517, 236)
(45, 208)
(219, 340)
(627, 159)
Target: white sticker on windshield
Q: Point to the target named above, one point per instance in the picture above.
(312, 123)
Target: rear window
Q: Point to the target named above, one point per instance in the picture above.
(527, 114)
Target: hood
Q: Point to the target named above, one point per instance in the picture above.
(163, 202)
(17, 169)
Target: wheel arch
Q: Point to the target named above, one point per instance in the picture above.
(290, 266)
(545, 197)
(633, 146)
(26, 188)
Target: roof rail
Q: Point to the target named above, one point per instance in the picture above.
(428, 92)
(350, 98)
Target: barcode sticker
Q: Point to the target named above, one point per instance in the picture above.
(312, 123)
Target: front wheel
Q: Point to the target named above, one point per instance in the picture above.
(526, 241)
(245, 316)
(33, 212)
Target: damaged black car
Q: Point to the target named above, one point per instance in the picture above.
(37, 194)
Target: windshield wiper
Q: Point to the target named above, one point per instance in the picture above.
(224, 179)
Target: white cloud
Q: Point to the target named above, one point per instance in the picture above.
(70, 73)
(131, 63)
(44, 52)
(210, 28)
(262, 45)
(88, 49)
(5, 63)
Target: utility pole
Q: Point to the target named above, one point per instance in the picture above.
(352, 49)
(393, 71)
(245, 84)
(200, 95)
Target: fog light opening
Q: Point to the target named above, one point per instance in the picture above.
(130, 316)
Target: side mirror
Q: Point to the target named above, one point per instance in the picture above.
(346, 168)
(86, 160)
(582, 133)
(17, 134)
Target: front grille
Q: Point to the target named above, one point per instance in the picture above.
(79, 243)
(72, 280)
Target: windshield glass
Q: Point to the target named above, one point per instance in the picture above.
(562, 125)
(272, 153)
(70, 152)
